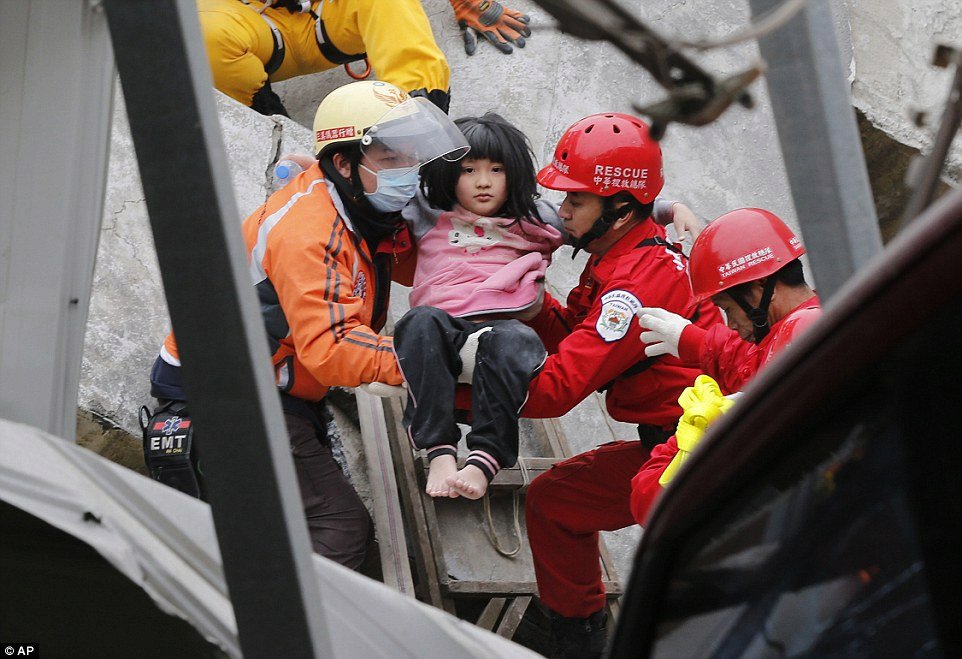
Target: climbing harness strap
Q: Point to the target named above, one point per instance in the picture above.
(277, 56)
(330, 52)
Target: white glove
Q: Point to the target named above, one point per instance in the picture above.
(664, 331)
(467, 354)
(382, 390)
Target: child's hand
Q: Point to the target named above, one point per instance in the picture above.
(684, 219)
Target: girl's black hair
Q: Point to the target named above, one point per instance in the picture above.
(491, 136)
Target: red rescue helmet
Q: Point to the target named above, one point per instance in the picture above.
(740, 246)
(604, 154)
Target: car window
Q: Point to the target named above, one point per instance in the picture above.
(821, 560)
(820, 555)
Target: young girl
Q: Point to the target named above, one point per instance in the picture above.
(484, 241)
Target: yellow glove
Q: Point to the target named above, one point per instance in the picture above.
(500, 25)
(701, 405)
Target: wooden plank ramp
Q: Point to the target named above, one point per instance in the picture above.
(449, 540)
(388, 519)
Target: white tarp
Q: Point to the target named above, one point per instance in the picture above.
(176, 560)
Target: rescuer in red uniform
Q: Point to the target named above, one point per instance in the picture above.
(746, 262)
(612, 171)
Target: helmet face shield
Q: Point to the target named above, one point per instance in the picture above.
(412, 134)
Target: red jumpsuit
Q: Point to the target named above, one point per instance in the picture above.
(591, 342)
(732, 362)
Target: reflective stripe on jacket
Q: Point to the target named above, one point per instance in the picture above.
(315, 281)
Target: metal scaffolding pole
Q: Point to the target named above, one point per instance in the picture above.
(820, 143)
(226, 369)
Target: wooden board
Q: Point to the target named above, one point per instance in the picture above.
(512, 616)
(449, 538)
(421, 540)
(496, 588)
(509, 478)
(392, 542)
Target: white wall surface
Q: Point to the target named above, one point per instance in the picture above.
(893, 42)
(557, 79)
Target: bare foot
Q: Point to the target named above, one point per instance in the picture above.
(470, 482)
(440, 471)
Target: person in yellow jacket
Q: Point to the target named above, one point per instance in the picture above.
(251, 43)
(321, 253)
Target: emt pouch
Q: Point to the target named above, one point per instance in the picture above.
(168, 439)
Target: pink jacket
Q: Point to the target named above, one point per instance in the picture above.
(470, 265)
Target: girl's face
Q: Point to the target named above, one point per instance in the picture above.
(482, 188)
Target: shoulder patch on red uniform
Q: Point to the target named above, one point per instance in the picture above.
(618, 307)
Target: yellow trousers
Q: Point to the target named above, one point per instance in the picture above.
(396, 36)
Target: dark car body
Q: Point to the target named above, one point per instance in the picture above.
(823, 515)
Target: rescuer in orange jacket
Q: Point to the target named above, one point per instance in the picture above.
(746, 262)
(251, 44)
(321, 252)
(612, 171)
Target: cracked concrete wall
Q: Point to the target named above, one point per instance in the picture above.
(893, 42)
(554, 81)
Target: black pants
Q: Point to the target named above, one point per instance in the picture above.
(427, 342)
(337, 521)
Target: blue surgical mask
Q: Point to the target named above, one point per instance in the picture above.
(395, 188)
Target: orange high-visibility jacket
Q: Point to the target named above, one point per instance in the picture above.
(315, 280)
